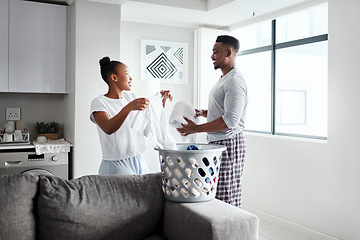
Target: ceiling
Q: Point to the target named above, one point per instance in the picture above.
(195, 13)
(189, 15)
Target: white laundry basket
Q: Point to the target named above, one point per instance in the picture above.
(190, 175)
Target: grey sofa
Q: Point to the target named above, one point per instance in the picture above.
(111, 207)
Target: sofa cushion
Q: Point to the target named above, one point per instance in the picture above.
(154, 237)
(17, 206)
(212, 219)
(100, 207)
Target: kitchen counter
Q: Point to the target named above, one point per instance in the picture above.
(19, 146)
(15, 146)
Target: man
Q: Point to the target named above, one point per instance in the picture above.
(225, 119)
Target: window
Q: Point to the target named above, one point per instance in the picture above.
(256, 69)
(284, 62)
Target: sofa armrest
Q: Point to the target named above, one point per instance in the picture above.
(208, 220)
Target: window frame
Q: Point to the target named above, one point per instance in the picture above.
(273, 47)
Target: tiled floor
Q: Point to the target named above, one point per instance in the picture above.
(268, 231)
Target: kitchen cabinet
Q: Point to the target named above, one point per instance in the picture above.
(37, 47)
(4, 46)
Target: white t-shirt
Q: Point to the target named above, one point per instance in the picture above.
(125, 142)
(153, 120)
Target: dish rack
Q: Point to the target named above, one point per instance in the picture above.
(25, 138)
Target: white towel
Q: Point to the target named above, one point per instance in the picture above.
(153, 120)
(52, 146)
(180, 110)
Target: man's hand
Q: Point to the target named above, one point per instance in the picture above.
(188, 128)
(200, 113)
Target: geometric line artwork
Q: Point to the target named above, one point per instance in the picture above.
(164, 61)
(166, 49)
(149, 49)
(179, 54)
(161, 67)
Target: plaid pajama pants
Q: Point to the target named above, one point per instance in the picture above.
(231, 170)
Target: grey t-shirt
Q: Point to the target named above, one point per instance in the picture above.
(228, 99)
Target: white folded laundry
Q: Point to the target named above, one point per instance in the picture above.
(180, 110)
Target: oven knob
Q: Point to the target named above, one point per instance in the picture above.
(54, 158)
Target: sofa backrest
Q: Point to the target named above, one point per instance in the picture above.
(100, 207)
(18, 207)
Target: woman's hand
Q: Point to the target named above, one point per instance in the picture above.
(138, 104)
(165, 94)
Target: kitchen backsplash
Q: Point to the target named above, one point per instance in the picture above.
(33, 108)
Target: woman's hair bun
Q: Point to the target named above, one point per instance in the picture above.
(104, 61)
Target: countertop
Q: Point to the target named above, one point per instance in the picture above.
(16, 146)
(19, 146)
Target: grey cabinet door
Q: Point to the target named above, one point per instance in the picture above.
(37, 47)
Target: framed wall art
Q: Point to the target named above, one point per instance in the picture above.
(164, 61)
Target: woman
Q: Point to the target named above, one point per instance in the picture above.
(113, 113)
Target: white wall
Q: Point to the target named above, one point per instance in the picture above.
(94, 33)
(316, 184)
(131, 35)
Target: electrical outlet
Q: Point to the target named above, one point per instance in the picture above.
(12, 114)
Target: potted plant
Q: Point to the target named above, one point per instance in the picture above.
(49, 130)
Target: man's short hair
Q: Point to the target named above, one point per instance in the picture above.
(233, 42)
